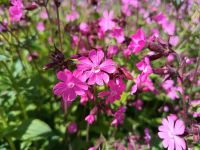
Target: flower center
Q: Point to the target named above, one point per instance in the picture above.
(96, 69)
(171, 135)
(70, 85)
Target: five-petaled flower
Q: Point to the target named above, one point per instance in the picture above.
(16, 10)
(69, 87)
(170, 131)
(95, 69)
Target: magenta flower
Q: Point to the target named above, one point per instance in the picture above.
(118, 34)
(69, 87)
(84, 27)
(160, 18)
(16, 10)
(119, 116)
(72, 128)
(112, 50)
(95, 69)
(138, 41)
(90, 118)
(142, 82)
(170, 131)
(106, 22)
(147, 137)
(138, 104)
(145, 66)
(116, 89)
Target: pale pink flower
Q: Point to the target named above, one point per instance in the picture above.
(114, 93)
(43, 14)
(174, 40)
(118, 34)
(170, 131)
(95, 68)
(106, 22)
(69, 87)
(138, 41)
(169, 27)
(72, 16)
(72, 127)
(90, 118)
(40, 26)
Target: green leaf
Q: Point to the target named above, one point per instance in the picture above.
(3, 58)
(33, 129)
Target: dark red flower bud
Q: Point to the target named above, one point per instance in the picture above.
(32, 6)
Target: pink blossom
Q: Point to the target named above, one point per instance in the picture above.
(138, 41)
(145, 66)
(72, 128)
(106, 22)
(43, 14)
(16, 10)
(126, 52)
(118, 34)
(142, 82)
(84, 27)
(169, 27)
(138, 104)
(90, 118)
(92, 148)
(69, 87)
(170, 131)
(72, 16)
(112, 50)
(119, 116)
(95, 68)
(147, 137)
(116, 89)
(160, 18)
(174, 40)
(85, 97)
(40, 26)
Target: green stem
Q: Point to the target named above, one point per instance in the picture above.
(59, 31)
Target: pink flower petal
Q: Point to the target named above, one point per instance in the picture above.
(179, 127)
(108, 66)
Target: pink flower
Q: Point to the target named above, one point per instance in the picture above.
(40, 26)
(174, 40)
(95, 69)
(112, 50)
(90, 118)
(169, 27)
(119, 116)
(72, 16)
(118, 34)
(106, 22)
(84, 27)
(16, 11)
(147, 137)
(160, 18)
(145, 66)
(92, 148)
(138, 41)
(138, 104)
(170, 131)
(43, 14)
(69, 87)
(72, 128)
(142, 82)
(116, 89)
